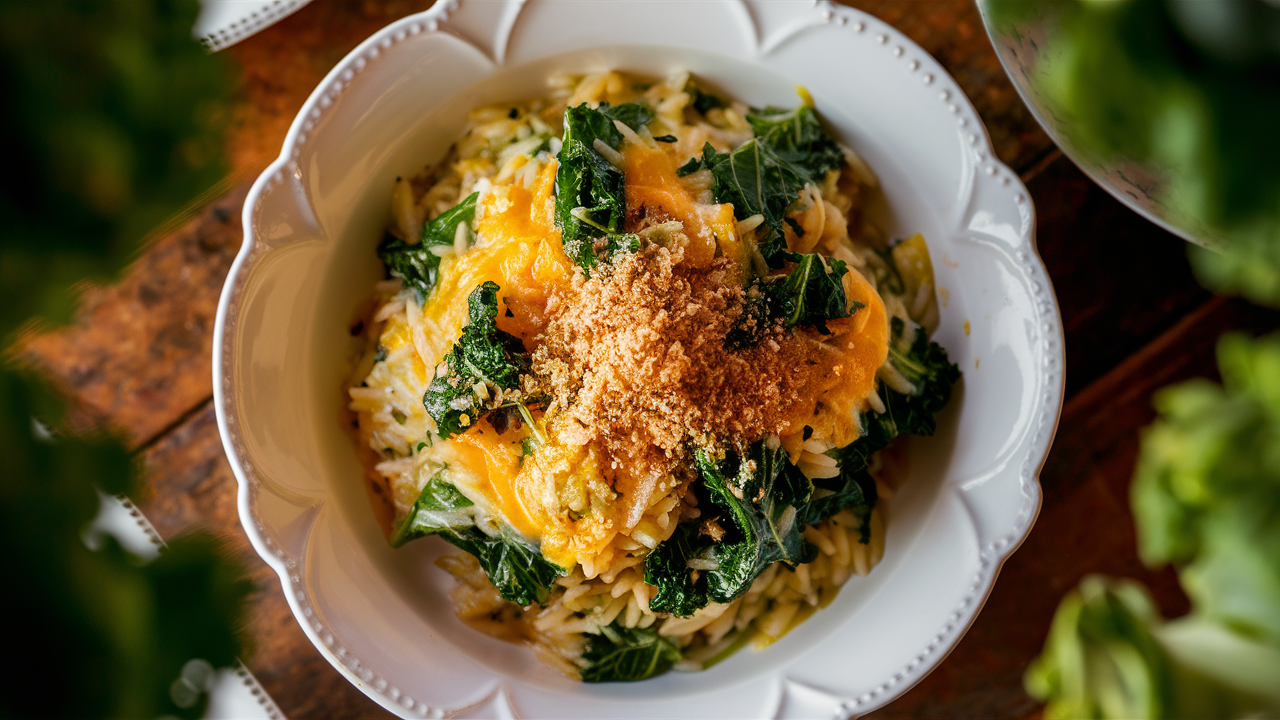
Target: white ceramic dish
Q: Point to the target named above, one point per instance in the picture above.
(223, 23)
(312, 222)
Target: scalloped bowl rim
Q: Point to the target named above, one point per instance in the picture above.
(992, 184)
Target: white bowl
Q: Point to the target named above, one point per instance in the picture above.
(313, 219)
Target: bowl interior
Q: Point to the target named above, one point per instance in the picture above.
(313, 264)
(359, 213)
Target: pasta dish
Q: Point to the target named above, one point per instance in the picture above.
(640, 356)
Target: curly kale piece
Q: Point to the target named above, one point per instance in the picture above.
(797, 138)
(756, 182)
(633, 115)
(852, 489)
(810, 295)
(925, 365)
(416, 265)
(766, 174)
(813, 293)
(702, 100)
(755, 501)
(484, 357)
(439, 507)
(518, 571)
(590, 194)
(622, 654)
(667, 569)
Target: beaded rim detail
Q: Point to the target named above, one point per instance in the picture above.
(987, 169)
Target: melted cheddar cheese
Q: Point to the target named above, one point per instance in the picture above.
(655, 192)
(849, 361)
(519, 249)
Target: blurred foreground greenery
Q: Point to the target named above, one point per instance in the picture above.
(1206, 497)
(1186, 86)
(1191, 88)
(112, 121)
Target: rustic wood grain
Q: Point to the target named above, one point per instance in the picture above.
(138, 355)
(190, 485)
(281, 65)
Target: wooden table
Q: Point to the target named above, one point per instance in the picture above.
(138, 359)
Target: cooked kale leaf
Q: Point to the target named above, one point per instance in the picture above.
(622, 654)
(758, 497)
(703, 100)
(483, 363)
(667, 569)
(932, 374)
(761, 500)
(439, 506)
(590, 194)
(415, 264)
(811, 294)
(766, 174)
(854, 489)
(755, 180)
(519, 572)
(797, 138)
(633, 115)
(925, 365)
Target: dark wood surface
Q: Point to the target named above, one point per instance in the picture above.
(137, 358)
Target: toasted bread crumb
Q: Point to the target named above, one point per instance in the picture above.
(636, 356)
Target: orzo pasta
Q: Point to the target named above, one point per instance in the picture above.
(638, 356)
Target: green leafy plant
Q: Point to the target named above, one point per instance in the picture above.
(415, 264)
(1206, 491)
(622, 654)
(114, 120)
(483, 369)
(1110, 655)
(113, 123)
(591, 201)
(1206, 497)
(519, 571)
